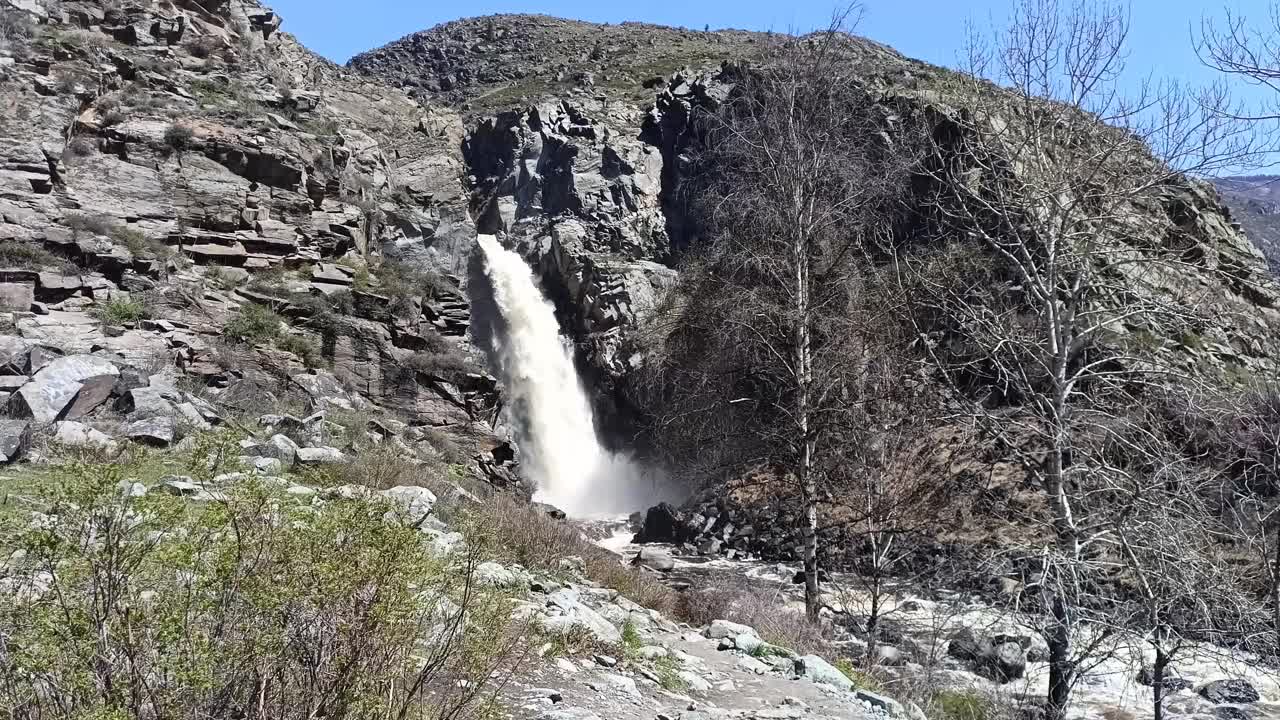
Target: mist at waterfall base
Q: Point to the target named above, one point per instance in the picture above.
(561, 454)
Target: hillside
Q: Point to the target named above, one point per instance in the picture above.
(1254, 204)
(217, 246)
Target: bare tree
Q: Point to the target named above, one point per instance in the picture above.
(760, 359)
(1040, 192)
(1245, 50)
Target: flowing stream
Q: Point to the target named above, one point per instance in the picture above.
(560, 452)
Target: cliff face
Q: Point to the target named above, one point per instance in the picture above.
(191, 149)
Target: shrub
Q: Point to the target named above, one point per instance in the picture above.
(121, 311)
(89, 224)
(178, 137)
(534, 539)
(960, 705)
(154, 607)
(81, 146)
(29, 256)
(776, 623)
(449, 365)
(252, 324)
(112, 117)
(16, 27)
(303, 347)
(861, 680)
(403, 283)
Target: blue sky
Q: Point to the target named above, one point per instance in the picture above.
(930, 30)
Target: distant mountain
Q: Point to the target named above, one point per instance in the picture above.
(1255, 203)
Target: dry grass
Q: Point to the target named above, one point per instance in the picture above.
(532, 538)
(763, 610)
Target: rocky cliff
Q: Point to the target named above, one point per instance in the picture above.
(192, 157)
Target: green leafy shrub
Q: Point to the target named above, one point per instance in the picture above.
(252, 324)
(961, 705)
(303, 347)
(155, 606)
(82, 223)
(178, 137)
(534, 539)
(450, 365)
(30, 256)
(861, 679)
(121, 311)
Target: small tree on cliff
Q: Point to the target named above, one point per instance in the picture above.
(1049, 276)
(760, 365)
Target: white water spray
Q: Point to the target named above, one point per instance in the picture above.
(560, 452)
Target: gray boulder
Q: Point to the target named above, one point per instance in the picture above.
(79, 435)
(1233, 691)
(654, 559)
(145, 402)
(725, 629)
(13, 355)
(56, 387)
(321, 456)
(156, 431)
(816, 670)
(14, 438)
(416, 502)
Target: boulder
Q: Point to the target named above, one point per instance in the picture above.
(415, 502)
(156, 431)
(17, 296)
(13, 355)
(816, 670)
(1233, 691)
(15, 435)
(1006, 662)
(56, 386)
(321, 456)
(654, 559)
(663, 523)
(145, 402)
(496, 575)
(79, 435)
(1172, 679)
(719, 629)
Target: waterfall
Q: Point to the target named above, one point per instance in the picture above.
(561, 454)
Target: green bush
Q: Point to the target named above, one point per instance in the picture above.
(252, 324)
(178, 137)
(121, 311)
(861, 680)
(303, 347)
(961, 705)
(534, 539)
(255, 604)
(30, 256)
(450, 365)
(89, 224)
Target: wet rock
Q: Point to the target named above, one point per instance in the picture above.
(654, 559)
(1172, 680)
(1234, 691)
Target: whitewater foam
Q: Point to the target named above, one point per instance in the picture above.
(561, 454)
